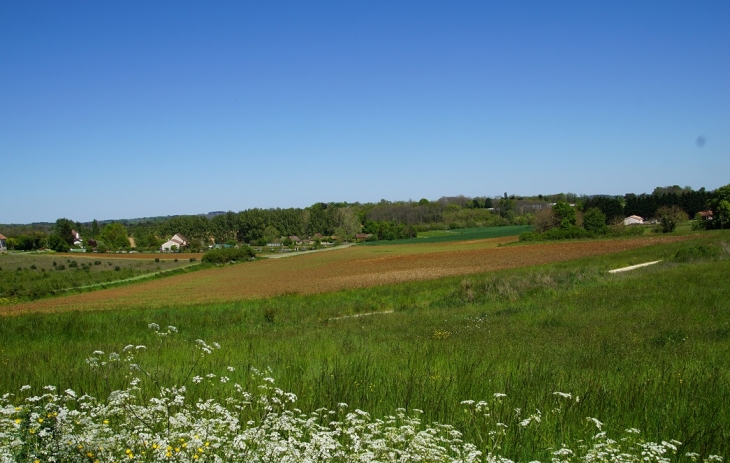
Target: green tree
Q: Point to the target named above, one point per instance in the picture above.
(271, 234)
(506, 206)
(348, 222)
(594, 220)
(144, 238)
(63, 229)
(56, 243)
(720, 206)
(114, 235)
(564, 214)
(94, 229)
(669, 217)
(723, 212)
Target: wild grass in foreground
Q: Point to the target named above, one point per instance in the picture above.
(647, 349)
(263, 424)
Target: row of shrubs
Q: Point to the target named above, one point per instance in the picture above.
(222, 256)
(575, 232)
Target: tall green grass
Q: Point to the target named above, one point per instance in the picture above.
(647, 349)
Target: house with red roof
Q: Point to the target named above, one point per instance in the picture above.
(3, 244)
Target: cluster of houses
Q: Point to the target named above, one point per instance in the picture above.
(177, 242)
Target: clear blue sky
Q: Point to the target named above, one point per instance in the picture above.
(128, 109)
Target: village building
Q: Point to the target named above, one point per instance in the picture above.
(77, 238)
(633, 220)
(177, 242)
(3, 244)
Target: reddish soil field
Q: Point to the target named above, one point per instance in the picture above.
(353, 267)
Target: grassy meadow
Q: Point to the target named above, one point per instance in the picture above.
(646, 349)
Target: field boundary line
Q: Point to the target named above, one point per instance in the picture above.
(632, 267)
(125, 280)
(301, 253)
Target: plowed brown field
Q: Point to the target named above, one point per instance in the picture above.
(353, 267)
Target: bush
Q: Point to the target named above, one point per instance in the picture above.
(570, 232)
(157, 259)
(530, 236)
(595, 221)
(222, 256)
(669, 217)
(696, 252)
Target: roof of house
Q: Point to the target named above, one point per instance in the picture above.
(178, 238)
(2, 237)
(635, 217)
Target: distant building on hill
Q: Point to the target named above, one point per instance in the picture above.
(178, 241)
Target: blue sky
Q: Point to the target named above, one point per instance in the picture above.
(130, 109)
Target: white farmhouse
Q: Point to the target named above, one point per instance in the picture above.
(178, 241)
(77, 238)
(633, 220)
(3, 244)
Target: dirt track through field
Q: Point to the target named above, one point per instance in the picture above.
(354, 267)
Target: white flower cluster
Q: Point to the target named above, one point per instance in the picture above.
(260, 426)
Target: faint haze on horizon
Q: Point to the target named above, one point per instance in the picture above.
(128, 110)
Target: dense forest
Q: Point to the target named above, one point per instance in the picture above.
(385, 220)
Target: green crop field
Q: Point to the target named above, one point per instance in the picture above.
(567, 343)
(463, 234)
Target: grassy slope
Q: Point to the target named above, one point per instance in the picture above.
(648, 349)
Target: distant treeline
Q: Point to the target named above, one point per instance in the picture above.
(384, 220)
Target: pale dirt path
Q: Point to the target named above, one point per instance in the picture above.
(632, 267)
(300, 253)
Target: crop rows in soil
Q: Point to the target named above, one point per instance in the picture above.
(354, 267)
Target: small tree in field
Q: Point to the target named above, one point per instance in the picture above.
(669, 217)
